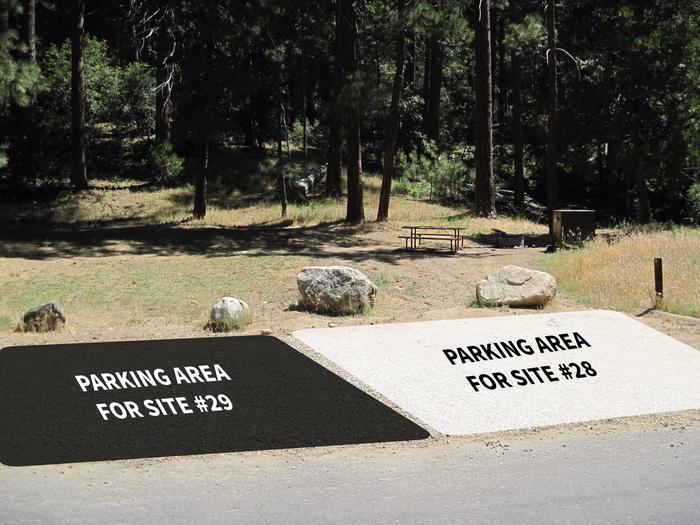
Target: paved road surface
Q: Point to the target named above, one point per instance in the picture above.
(627, 472)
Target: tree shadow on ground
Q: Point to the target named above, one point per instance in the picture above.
(329, 240)
(494, 238)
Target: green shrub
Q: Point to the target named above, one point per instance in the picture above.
(313, 133)
(439, 177)
(167, 166)
(134, 107)
(418, 189)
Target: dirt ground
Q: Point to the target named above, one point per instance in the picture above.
(161, 284)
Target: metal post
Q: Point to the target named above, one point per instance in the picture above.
(658, 277)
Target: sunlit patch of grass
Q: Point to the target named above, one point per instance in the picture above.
(620, 275)
(129, 203)
(403, 211)
(138, 289)
(6, 323)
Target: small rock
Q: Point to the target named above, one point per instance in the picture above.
(266, 331)
(331, 325)
(516, 286)
(228, 314)
(336, 290)
(44, 318)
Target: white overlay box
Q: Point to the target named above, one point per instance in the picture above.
(469, 376)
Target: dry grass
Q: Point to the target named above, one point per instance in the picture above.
(403, 211)
(621, 275)
(105, 202)
(126, 205)
(139, 293)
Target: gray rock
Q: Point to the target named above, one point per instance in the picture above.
(516, 286)
(229, 314)
(335, 290)
(44, 318)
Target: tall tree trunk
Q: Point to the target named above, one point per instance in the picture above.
(134, 30)
(516, 83)
(485, 204)
(78, 162)
(333, 183)
(303, 106)
(433, 128)
(426, 82)
(410, 73)
(285, 111)
(201, 179)
(552, 112)
(280, 127)
(392, 127)
(502, 82)
(165, 47)
(283, 192)
(29, 29)
(612, 183)
(348, 25)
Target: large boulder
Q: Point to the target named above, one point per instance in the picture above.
(516, 286)
(229, 314)
(44, 318)
(335, 290)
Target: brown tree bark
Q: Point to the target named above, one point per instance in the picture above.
(280, 126)
(29, 29)
(552, 112)
(392, 131)
(333, 181)
(502, 78)
(348, 25)
(303, 107)
(78, 154)
(164, 81)
(485, 202)
(516, 86)
(433, 124)
(202, 177)
(426, 82)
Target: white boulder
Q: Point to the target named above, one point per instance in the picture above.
(335, 290)
(228, 314)
(516, 286)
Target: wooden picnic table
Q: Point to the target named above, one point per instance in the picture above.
(413, 240)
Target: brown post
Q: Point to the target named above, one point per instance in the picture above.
(658, 277)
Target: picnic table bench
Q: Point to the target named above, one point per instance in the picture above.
(417, 234)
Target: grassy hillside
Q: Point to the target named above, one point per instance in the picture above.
(620, 275)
